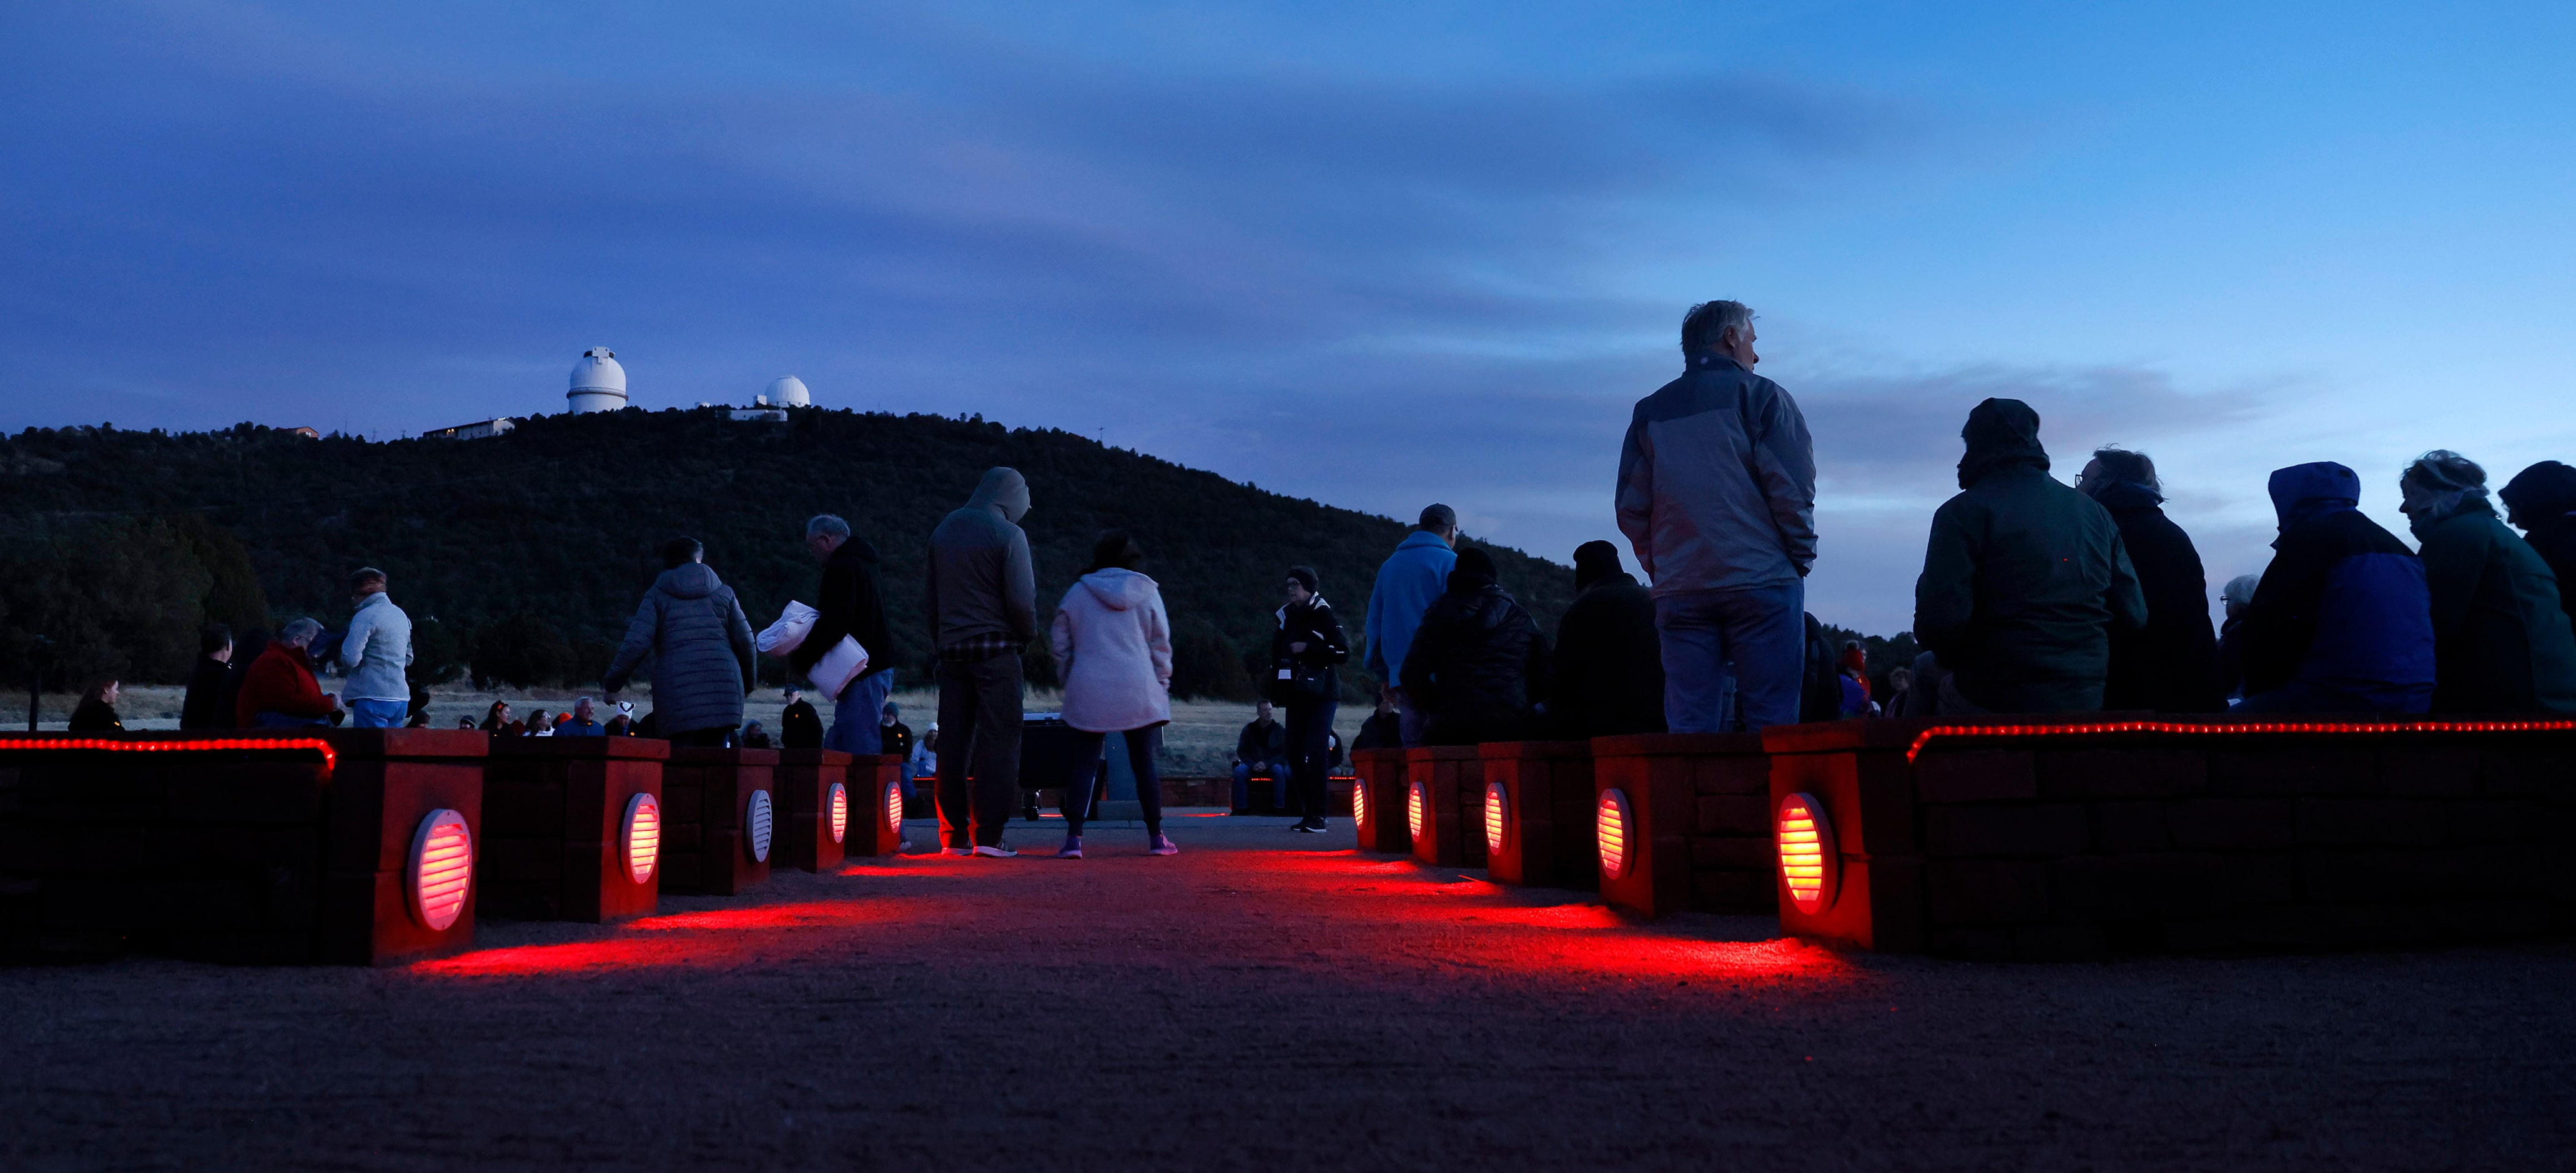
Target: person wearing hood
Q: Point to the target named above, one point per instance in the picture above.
(1480, 661)
(2170, 665)
(1717, 497)
(982, 602)
(1609, 666)
(2501, 643)
(1406, 583)
(851, 606)
(2342, 622)
(2542, 500)
(1113, 642)
(701, 646)
(1306, 652)
(2024, 579)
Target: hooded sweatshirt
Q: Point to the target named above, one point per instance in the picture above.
(2543, 501)
(702, 648)
(1479, 663)
(1113, 643)
(2024, 578)
(2343, 607)
(983, 589)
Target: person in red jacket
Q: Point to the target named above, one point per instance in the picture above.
(279, 692)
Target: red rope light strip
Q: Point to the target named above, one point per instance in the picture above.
(1925, 738)
(330, 759)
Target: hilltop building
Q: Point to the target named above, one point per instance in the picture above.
(472, 431)
(598, 383)
(771, 406)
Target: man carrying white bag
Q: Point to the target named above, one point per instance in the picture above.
(832, 647)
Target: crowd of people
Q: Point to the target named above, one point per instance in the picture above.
(2034, 597)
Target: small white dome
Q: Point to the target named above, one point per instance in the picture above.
(789, 391)
(598, 371)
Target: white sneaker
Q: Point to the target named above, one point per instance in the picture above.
(997, 851)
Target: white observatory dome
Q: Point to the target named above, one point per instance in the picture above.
(789, 391)
(598, 383)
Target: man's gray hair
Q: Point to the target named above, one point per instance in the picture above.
(1705, 325)
(304, 629)
(2240, 589)
(827, 524)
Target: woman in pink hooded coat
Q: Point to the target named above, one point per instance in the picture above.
(1113, 643)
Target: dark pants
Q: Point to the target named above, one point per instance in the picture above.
(1142, 745)
(1309, 725)
(716, 738)
(979, 738)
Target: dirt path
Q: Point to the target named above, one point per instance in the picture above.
(1266, 1001)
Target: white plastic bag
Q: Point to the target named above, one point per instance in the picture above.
(839, 667)
(790, 631)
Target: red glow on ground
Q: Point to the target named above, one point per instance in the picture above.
(2249, 729)
(571, 957)
(770, 916)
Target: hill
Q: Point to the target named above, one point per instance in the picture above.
(522, 556)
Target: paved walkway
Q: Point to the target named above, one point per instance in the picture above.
(1263, 1001)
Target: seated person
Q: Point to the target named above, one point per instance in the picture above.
(1261, 748)
(2500, 640)
(2342, 621)
(1608, 660)
(2542, 500)
(1479, 664)
(799, 726)
(96, 712)
(583, 721)
(279, 691)
(1384, 728)
(753, 736)
(2023, 579)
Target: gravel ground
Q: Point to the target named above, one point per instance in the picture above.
(1266, 1001)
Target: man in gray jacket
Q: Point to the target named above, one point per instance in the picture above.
(983, 609)
(374, 654)
(1717, 494)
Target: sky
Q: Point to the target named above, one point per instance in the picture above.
(1377, 255)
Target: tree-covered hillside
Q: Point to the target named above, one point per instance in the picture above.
(529, 550)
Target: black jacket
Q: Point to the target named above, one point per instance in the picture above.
(800, 727)
(895, 739)
(1313, 624)
(851, 605)
(2555, 541)
(1380, 731)
(204, 708)
(1477, 665)
(1261, 746)
(2170, 664)
(95, 717)
(1609, 663)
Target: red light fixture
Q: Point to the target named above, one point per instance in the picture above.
(1618, 828)
(840, 806)
(442, 869)
(756, 818)
(893, 805)
(1359, 807)
(643, 836)
(330, 757)
(1498, 819)
(2340, 729)
(1413, 800)
(1810, 867)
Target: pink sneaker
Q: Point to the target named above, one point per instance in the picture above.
(1164, 846)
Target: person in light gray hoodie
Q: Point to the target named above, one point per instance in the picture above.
(982, 595)
(702, 649)
(1113, 642)
(374, 655)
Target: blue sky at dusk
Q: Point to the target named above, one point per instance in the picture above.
(1371, 254)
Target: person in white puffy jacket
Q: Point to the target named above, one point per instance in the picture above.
(1113, 645)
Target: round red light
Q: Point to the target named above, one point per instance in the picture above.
(1810, 865)
(643, 836)
(1498, 818)
(840, 811)
(1413, 810)
(755, 826)
(1617, 829)
(894, 808)
(1359, 809)
(442, 870)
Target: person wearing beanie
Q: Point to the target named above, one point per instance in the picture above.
(1608, 664)
(1407, 582)
(1306, 652)
(2023, 580)
(2542, 501)
(2341, 622)
(2501, 642)
(1717, 497)
(1479, 664)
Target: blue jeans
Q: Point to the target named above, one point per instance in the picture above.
(1142, 745)
(855, 715)
(1278, 772)
(1751, 642)
(378, 714)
